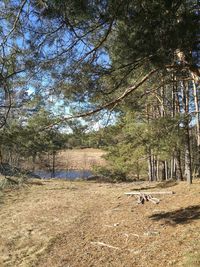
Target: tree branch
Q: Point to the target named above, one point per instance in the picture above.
(108, 105)
(15, 22)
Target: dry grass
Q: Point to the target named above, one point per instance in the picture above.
(60, 224)
(193, 259)
(81, 158)
(76, 159)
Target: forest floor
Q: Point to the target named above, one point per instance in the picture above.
(58, 223)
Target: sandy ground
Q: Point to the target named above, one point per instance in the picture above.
(82, 224)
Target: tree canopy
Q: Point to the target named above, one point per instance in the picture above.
(127, 57)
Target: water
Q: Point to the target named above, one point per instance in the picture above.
(63, 174)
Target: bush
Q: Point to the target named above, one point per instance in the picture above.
(111, 175)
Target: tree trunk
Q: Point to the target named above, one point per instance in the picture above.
(138, 170)
(179, 173)
(172, 168)
(150, 165)
(53, 164)
(196, 102)
(163, 171)
(34, 161)
(166, 170)
(177, 153)
(157, 169)
(188, 165)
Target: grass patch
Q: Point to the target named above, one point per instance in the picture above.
(192, 260)
(166, 184)
(11, 182)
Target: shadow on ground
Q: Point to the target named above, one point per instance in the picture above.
(181, 216)
(164, 184)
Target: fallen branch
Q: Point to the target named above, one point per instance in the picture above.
(153, 199)
(114, 225)
(147, 196)
(104, 245)
(150, 193)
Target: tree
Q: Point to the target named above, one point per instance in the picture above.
(95, 54)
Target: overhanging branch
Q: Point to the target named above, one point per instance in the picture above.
(108, 105)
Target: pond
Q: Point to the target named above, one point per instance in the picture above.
(64, 174)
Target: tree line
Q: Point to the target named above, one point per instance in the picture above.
(136, 59)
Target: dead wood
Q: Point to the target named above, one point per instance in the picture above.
(104, 245)
(150, 193)
(147, 196)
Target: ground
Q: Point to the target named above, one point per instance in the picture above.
(84, 224)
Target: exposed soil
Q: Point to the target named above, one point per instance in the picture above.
(82, 224)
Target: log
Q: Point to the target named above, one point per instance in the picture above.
(150, 193)
(154, 200)
(147, 196)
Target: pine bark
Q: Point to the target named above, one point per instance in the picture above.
(177, 154)
(196, 102)
(150, 166)
(179, 172)
(188, 165)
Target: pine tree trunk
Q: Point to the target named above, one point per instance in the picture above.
(166, 170)
(188, 165)
(177, 154)
(172, 168)
(163, 171)
(138, 170)
(179, 173)
(33, 161)
(150, 166)
(157, 169)
(196, 102)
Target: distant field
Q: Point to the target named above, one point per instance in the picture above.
(81, 159)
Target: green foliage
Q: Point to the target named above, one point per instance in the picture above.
(89, 55)
(94, 50)
(134, 138)
(155, 28)
(127, 158)
(24, 141)
(112, 174)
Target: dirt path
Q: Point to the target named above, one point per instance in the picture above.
(83, 224)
